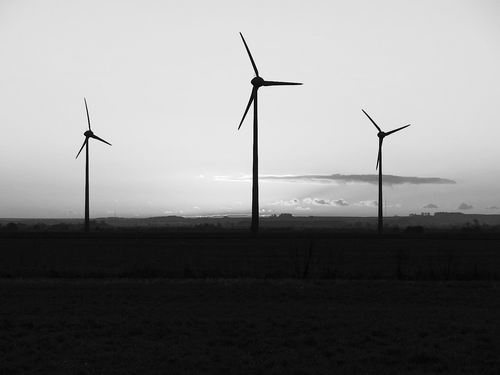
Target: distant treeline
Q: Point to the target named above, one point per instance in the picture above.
(407, 224)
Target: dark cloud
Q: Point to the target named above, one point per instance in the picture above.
(465, 206)
(359, 178)
(430, 205)
(321, 201)
(341, 202)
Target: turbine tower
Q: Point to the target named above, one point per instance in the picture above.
(88, 134)
(381, 135)
(257, 82)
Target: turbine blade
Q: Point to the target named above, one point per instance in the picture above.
(250, 55)
(398, 129)
(275, 83)
(81, 148)
(252, 97)
(379, 152)
(373, 122)
(87, 109)
(99, 139)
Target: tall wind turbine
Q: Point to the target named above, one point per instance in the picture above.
(381, 135)
(88, 134)
(257, 82)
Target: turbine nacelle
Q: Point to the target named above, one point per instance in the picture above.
(88, 133)
(381, 135)
(257, 82)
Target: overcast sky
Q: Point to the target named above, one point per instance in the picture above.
(167, 83)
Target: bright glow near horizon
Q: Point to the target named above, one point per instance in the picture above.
(167, 83)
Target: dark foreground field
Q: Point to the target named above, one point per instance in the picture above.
(442, 256)
(221, 303)
(248, 326)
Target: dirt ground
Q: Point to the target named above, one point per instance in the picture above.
(248, 327)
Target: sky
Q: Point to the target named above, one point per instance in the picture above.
(167, 83)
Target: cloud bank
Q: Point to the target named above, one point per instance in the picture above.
(345, 179)
(465, 206)
(326, 202)
(430, 205)
(309, 201)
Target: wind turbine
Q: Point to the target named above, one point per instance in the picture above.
(88, 134)
(257, 82)
(381, 135)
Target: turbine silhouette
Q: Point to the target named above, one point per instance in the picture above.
(257, 82)
(88, 134)
(381, 135)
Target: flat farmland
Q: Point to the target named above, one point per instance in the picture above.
(272, 255)
(279, 303)
(248, 326)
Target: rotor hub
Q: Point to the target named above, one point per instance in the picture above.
(381, 134)
(257, 82)
(88, 133)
